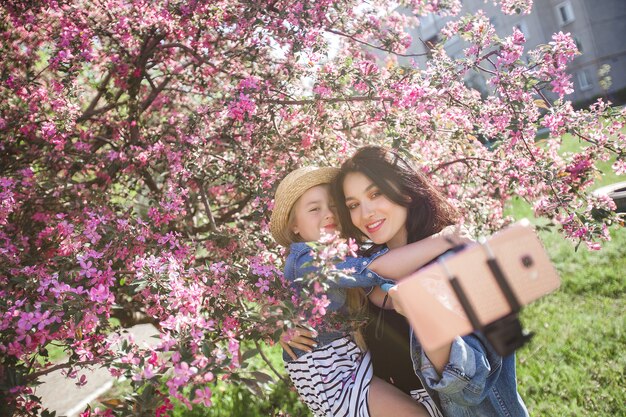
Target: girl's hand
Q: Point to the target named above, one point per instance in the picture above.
(299, 338)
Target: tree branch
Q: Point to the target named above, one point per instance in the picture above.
(267, 361)
(154, 94)
(207, 209)
(228, 215)
(380, 48)
(463, 160)
(35, 375)
(327, 100)
(100, 91)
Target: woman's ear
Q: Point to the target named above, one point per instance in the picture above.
(295, 229)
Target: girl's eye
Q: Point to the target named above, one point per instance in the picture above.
(314, 209)
(375, 194)
(352, 206)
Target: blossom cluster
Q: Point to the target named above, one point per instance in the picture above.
(141, 143)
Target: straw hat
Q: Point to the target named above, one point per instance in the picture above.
(289, 191)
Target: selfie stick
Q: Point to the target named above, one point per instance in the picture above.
(505, 334)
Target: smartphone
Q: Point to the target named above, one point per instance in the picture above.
(429, 298)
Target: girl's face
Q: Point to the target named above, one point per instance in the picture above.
(314, 212)
(380, 219)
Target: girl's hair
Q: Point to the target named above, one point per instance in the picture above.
(293, 237)
(356, 300)
(428, 210)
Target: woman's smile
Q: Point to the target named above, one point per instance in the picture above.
(375, 226)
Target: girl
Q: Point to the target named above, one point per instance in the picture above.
(331, 372)
(389, 203)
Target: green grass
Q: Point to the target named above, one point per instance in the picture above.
(574, 366)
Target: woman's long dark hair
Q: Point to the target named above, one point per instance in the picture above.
(428, 210)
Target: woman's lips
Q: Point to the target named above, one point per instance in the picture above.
(330, 226)
(374, 226)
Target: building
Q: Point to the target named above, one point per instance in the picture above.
(597, 26)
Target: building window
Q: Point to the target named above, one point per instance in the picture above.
(579, 44)
(584, 80)
(428, 20)
(565, 13)
(454, 39)
(523, 27)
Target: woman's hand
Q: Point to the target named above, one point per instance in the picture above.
(393, 291)
(299, 338)
(456, 235)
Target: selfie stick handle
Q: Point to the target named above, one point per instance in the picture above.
(505, 334)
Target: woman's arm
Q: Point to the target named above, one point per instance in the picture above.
(400, 262)
(437, 357)
(464, 369)
(472, 369)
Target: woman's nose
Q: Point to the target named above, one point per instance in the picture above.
(367, 209)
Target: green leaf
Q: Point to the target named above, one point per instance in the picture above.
(262, 377)
(253, 386)
(249, 354)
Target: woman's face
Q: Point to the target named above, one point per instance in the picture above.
(314, 212)
(380, 219)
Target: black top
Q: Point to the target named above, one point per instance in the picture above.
(390, 348)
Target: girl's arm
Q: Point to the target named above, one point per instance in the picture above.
(398, 263)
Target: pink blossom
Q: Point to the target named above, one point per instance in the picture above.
(323, 91)
(203, 396)
(619, 167)
(263, 285)
(242, 108)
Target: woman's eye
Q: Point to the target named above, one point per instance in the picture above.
(314, 209)
(352, 206)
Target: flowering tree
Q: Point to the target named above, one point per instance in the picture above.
(141, 142)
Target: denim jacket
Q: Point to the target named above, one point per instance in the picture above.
(297, 266)
(475, 382)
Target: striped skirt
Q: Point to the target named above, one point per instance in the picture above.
(421, 396)
(334, 379)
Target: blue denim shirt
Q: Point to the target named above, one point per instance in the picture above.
(297, 266)
(475, 382)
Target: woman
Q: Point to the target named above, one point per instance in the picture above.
(330, 370)
(388, 203)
